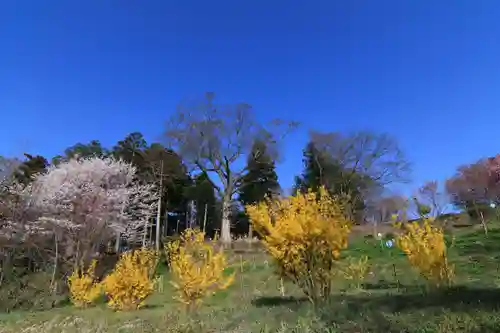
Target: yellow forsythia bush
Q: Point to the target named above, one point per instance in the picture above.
(83, 287)
(132, 279)
(356, 271)
(425, 247)
(197, 268)
(304, 234)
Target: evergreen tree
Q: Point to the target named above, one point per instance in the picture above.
(131, 149)
(163, 167)
(320, 169)
(155, 164)
(30, 167)
(203, 195)
(82, 150)
(261, 178)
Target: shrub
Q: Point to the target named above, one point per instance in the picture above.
(356, 271)
(304, 234)
(425, 247)
(197, 268)
(31, 292)
(131, 282)
(83, 287)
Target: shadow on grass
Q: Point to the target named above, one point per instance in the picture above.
(460, 298)
(382, 285)
(278, 301)
(476, 243)
(151, 306)
(411, 311)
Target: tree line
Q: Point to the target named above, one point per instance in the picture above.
(214, 159)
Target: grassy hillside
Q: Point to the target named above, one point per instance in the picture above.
(393, 299)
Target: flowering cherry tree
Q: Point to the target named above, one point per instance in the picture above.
(86, 202)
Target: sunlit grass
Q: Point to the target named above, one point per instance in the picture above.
(393, 299)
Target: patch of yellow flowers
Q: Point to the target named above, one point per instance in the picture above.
(356, 271)
(83, 287)
(126, 287)
(304, 234)
(131, 282)
(425, 247)
(197, 268)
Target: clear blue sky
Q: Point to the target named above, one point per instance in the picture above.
(426, 71)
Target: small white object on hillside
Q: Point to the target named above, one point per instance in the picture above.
(493, 205)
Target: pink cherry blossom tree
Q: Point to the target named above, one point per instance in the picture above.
(82, 204)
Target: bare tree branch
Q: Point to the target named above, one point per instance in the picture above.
(375, 155)
(214, 139)
(430, 195)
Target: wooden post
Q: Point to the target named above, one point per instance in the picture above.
(205, 218)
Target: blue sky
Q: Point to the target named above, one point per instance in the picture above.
(425, 71)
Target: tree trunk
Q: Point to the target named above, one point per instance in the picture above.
(54, 271)
(145, 233)
(250, 235)
(77, 260)
(481, 218)
(151, 235)
(165, 225)
(205, 219)
(117, 242)
(158, 224)
(226, 222)
(483, 222)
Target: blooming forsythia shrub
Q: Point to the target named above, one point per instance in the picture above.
(131, 282)
(304, 234)
(425, 248)
(198, 269)
(83, 287)
(356, 271)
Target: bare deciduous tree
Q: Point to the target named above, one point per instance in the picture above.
(377, 156)
(368, 161)
(213, 139)
(430, 195)
(388, 206)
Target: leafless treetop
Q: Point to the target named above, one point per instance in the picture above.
(375, 155)
(213, 137)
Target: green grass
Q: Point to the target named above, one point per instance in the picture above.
(393, 299)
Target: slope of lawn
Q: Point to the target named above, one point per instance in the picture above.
(393, 299)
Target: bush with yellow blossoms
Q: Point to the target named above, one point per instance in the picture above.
(197, 268)
(132, 279)
(305, 235)
(356, 271)
(424, 245)
(83, 286)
